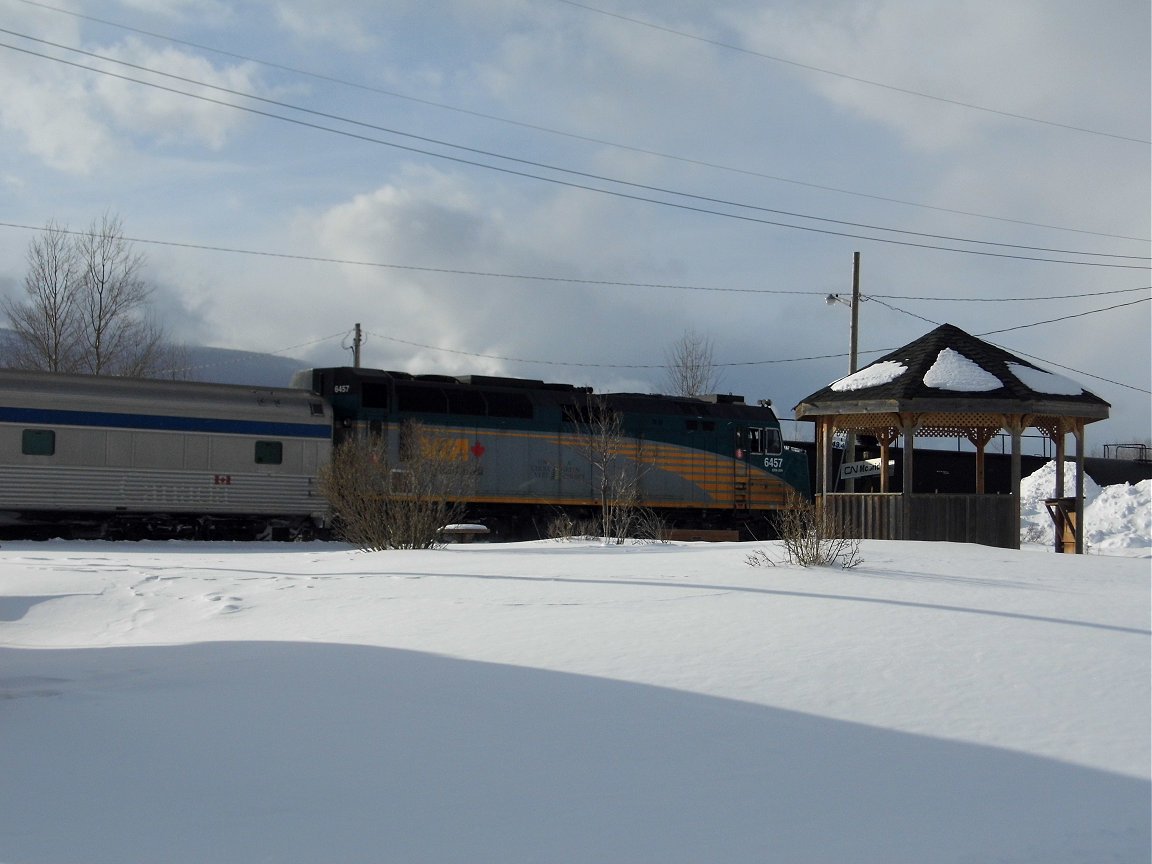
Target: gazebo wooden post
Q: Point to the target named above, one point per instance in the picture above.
(979, 439)
(823, 425)
(1058, 437)
(908, 424)
(1016, 424)
(887, 436)
(1080, 431)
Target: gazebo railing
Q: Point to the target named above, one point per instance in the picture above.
(986, 519)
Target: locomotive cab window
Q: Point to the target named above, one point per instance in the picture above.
(38, 442)
(269, 453)
(762, 441)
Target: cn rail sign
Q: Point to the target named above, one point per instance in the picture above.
(867, 468)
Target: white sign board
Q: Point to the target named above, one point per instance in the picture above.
(867, 468)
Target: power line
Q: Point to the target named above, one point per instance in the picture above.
(1071, 369)
(531, 163)
(1005, 299)
(575, 136)
(1018, 326)
(578, 365)
(857, 79)
(550, 167)
(872, 297)
(568, 280)
(571, 184)
(1022, 353)
(1064, 317)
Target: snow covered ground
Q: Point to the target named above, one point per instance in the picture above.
(570, 702)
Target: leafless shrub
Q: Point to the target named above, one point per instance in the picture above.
(648, 526)
(379, 503)
(1032, 533)
(811, 537)
(565, 526)
(760, 558)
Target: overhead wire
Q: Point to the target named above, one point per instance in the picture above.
(581, 365)
(552, 131)
(1023, 327)
(585, 175)
(672, 192)
(855, 78)
(568, 280)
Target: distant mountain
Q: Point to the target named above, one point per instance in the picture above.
(228, 366)
(225, 365)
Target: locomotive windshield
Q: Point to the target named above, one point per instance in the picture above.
(761, 440)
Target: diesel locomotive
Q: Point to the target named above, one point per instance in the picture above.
(86, 456)
(714, 464)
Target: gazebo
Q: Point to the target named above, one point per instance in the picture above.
(949, 383)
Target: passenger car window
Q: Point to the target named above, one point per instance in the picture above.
(38, 442)
(269, 452)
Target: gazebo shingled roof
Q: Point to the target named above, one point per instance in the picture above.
(949, 408)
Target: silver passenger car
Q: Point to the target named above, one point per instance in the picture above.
(126, 457)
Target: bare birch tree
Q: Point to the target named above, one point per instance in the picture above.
(689, 370)
(617, 467)
(86, 305)
(117, 335)
(44, 323)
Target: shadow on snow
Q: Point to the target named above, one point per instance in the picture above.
(297, 752)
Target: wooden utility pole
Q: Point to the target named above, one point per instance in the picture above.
(852, 360)
(853, 356)
(357, 341)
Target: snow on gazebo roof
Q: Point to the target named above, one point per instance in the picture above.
(950, 372)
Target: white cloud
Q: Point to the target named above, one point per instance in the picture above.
(1042, 59)
(189, 172)
(166, 117)
(75, 121)
(339, 25)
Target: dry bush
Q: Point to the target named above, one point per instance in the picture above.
(648, 526)
(565, 526)
(811, 537)
(381, 504)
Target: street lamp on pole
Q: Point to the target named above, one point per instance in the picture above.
(833, 299)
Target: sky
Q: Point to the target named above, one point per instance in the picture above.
(562, 190)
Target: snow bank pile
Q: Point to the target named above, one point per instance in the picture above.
(1117, 519)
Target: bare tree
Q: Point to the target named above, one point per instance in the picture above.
(86, 305)
(617, 468)
(117, 336)
(689, 369)
(44, 324)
